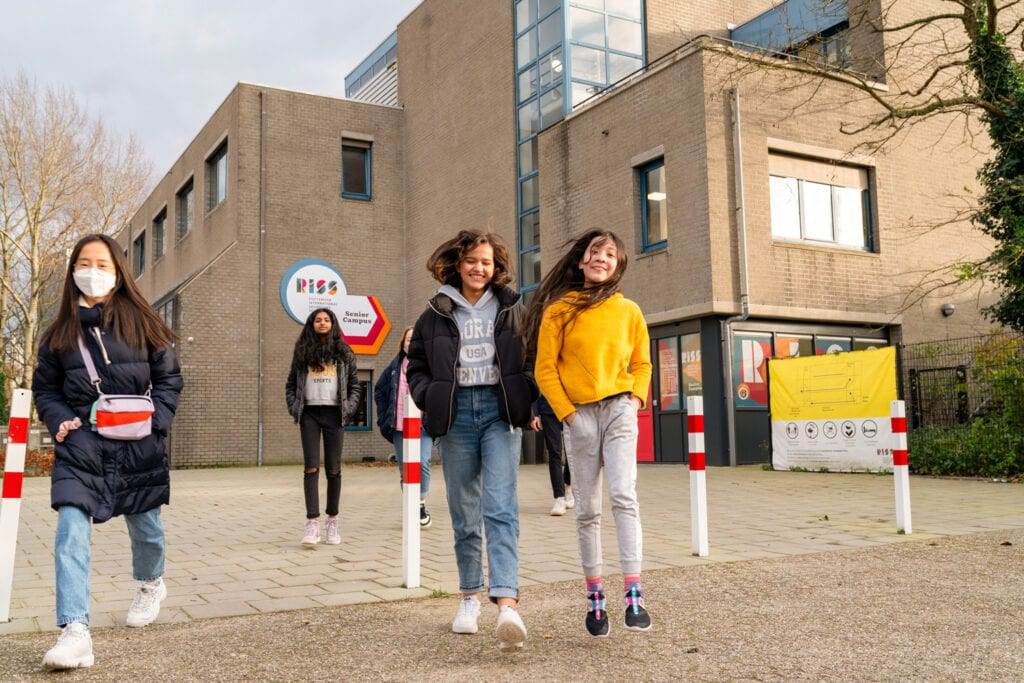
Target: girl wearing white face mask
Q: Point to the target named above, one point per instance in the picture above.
(104, 315)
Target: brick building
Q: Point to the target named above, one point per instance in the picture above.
(539, 119)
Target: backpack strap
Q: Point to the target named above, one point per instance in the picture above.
(90, 367)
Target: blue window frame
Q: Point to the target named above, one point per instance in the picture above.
(653, 206)
(356, 169)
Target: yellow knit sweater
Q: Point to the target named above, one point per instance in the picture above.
(605, 351)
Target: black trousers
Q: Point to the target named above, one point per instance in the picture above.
(317, 422)
(558, 467)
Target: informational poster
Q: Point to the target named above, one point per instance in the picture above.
(793, 345)
(693, 382)
(824, 346)
(832, 411)
(668, 374)
(750, 354)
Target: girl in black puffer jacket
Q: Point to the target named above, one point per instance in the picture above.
(322, 392)
(95, 478)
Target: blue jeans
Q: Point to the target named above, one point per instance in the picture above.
(426, 446)
(72, 554)
(480, 457)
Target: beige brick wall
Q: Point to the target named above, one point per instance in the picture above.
(456, 84)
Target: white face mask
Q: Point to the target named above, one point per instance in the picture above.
(95, 282)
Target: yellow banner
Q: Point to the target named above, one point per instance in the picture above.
(846, 385)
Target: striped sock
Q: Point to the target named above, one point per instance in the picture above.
(595, 594)
(634, 590)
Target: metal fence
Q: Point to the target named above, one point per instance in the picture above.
(946, 382)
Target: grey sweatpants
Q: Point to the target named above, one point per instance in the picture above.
(605, 433)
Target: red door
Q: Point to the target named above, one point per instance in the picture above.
(645, 442)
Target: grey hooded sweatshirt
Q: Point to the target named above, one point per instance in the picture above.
(477, 361)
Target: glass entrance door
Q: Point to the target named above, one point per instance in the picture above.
(677, 373)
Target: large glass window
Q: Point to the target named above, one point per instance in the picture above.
(820, 202)
(217, 177)
(606, 44)
(586, 26)
(139, 255)
(588, 64)
(184, 209)
(653, 201)
(549, 33)
(356, 169)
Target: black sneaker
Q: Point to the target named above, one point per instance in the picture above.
(597, 618)
(637, 618)
(424, 516)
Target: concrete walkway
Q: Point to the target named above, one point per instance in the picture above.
(233, 535)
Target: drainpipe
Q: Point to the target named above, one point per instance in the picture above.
(259, 295)
(741, 249)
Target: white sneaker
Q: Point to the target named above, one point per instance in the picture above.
(467, 617)
(312, 536)
(570, 502)
(558, 509)
(511, 630)
(331, 532)
(146, 605)
(73, 649)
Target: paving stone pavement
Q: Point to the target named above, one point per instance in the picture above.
(233, 535)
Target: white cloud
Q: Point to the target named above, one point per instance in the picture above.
(159, 69)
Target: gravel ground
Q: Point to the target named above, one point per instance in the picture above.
(951, 609)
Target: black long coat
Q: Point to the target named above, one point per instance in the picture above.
(101, 476)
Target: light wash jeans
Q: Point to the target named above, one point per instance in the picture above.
(426, 446)
(72, 554)
(480, 458)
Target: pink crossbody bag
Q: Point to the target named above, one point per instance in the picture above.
(123, 417)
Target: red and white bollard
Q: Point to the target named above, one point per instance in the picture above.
(411, 494)
(901, 466)
(10, 495)
(698, 480)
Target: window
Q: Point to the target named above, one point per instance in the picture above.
(184, 210)
(168, 312)
(217, 177)
(606, 44)
(820, 201)
(158, 234)
(139, 255)
(361, 421)
(653, 206)
(355, 169)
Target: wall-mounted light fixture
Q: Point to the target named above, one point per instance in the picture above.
(947, 310)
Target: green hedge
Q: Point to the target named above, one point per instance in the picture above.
(989, 446)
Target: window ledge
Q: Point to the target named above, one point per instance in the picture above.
(657, 251)
(212, 209)
(829, 249)
(357, 197)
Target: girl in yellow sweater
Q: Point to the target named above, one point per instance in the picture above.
(594, 367)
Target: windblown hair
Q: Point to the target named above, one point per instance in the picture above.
(443, 264)
(125, 312)
(314, 351)
(566, 276)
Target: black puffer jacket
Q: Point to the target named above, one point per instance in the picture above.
(103, 477)
(385, 397)
(434, 355)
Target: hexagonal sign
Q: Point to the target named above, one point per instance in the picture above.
(311, 284)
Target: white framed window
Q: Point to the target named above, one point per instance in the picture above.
(820, 202)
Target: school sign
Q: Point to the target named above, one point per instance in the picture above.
(311, 284)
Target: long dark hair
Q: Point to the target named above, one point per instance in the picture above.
(125, 312)
(313, 351)
(443, 264)
(566, 276)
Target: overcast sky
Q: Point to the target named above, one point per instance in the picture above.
(160, 69)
